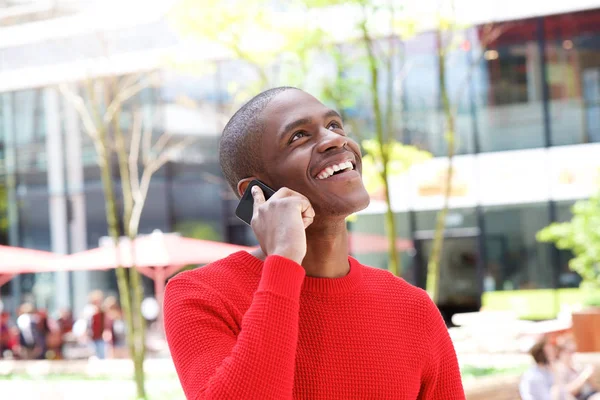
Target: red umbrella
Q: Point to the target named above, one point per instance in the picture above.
(361, 243)
(154, 250)
(18, 260)
(158, 256)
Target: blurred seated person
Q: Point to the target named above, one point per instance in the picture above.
(115, 328)
(65, 328)
(538, 383)
(6, 341)
(576, 382)
(30, 339)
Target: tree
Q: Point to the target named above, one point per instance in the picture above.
(385, 153)
(447, 30)
(264, 38)
(581, 235)
(256, 33)
(104, 110)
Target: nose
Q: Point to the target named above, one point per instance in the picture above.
(329, 140)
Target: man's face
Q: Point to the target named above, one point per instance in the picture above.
(305, 148)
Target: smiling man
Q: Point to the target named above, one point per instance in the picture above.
(299, 318)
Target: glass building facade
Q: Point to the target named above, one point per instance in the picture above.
(527, 106)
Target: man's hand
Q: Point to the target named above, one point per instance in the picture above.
(279, 223)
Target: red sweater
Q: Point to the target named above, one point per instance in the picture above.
(243, 329)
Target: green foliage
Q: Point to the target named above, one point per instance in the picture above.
(198, 230)
(476, 371)
(253, 30)
(581, 235)
(400, 158)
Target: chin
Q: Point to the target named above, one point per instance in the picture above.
(361, 203)
(342, 209)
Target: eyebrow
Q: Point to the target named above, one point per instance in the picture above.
(332, 113)
(303, 121)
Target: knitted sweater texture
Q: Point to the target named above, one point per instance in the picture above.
(241, 328)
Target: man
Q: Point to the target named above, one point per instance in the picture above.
(299, 318)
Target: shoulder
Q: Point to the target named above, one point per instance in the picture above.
(224, 280)
(213, 275)
(384, 282)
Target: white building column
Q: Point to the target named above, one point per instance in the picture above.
(57, 195)
(76, 196)
(10, 164)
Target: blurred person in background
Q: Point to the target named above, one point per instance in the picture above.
(540, 381)
(97, 323)
(47, 339)
(575, 381)
(65, 321)
(65, 328)
(7, 340)
(115, 328)
(31, 340)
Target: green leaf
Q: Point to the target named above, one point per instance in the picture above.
(400, 158)
(580, 235)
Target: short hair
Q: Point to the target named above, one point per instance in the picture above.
(241, 139)
(538, 352)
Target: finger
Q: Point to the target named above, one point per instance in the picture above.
(307, 221)
(287, 192)
(258, 196)
(308, 212)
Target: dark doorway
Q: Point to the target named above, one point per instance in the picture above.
(461, 281)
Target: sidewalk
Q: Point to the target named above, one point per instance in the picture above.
(110, 379)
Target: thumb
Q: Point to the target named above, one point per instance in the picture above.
(258, 196)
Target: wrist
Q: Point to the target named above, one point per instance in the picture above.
(292, 255)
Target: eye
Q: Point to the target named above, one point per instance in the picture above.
(335, 125)
(297, 135)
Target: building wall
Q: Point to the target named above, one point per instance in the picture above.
(536, 87)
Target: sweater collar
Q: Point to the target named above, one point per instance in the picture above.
(344, 284)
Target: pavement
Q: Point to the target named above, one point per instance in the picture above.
(110, 379)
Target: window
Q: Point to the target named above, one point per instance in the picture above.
(515, 259)
(421, 94)
(573, 71)
(508, 89)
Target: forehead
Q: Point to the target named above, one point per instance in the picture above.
(289, 106)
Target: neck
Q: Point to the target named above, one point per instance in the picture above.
(327, 250)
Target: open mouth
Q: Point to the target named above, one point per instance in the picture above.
(336, 169)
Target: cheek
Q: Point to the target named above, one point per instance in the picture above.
(352, 145)
(290, 173)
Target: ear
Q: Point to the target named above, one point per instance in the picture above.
(243, 184)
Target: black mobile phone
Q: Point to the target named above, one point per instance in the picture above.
(245, 208)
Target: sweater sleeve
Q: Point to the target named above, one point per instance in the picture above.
(212, 362)
(441, 374)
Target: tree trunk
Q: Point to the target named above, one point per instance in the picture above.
(433, 267)
(112, 215)
(138, 333)
(394, 265)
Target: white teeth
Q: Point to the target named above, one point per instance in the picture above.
(327, 172)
